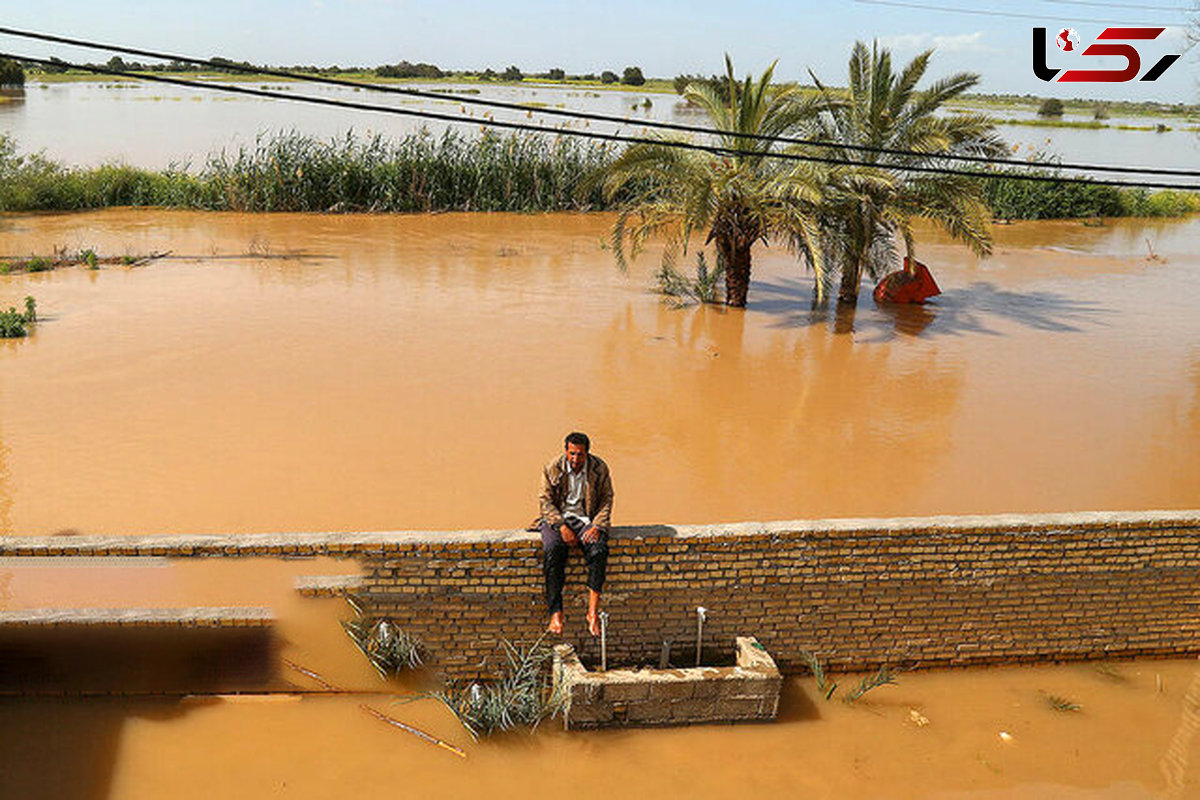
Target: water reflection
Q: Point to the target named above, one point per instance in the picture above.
(1177, 758)
(972, 309)
(11, 100)
(770, 420)
(6, 490)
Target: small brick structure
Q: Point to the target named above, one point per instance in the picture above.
(745, 692)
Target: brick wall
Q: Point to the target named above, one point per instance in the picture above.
(906, 592)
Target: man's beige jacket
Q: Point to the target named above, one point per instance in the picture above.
(597, 494)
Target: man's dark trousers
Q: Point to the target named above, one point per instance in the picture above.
(554, 560)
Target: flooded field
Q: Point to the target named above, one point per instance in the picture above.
(153, 125)
(1122, 730)
(326, 373)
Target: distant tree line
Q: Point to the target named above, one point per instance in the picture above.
(630, 76)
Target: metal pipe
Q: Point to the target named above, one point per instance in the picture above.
(604, 641)
(700, 613)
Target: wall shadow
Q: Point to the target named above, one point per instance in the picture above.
(66, 748)
(65, 693)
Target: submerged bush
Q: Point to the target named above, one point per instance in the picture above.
(1164, 203)
(1013, 198)
(14, 324)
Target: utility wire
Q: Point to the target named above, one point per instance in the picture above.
(1177, 9)
(611, 137)
(581, 115)
(980, 12)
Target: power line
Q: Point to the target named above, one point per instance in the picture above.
(586, 116)
(611, 137)
(980, 12)
(1177, 9)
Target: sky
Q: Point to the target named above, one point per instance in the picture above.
(663, 38)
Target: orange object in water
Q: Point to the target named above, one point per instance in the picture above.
(913, 284)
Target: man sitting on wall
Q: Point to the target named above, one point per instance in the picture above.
(576, 508)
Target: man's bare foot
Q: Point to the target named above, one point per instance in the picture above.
(593, 612)
(556, 623)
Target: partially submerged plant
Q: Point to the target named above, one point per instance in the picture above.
(1059, 703)
(824, 684)
(881, 678)
(14, 324)
(522, 695)
(389, 649)
(683, 290)
(1109, 671)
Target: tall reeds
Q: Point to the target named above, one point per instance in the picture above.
(293, 172)
(423, 172)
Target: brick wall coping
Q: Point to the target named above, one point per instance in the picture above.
(354, 542)
(171, 617)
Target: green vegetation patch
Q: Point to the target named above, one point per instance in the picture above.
(15, 324)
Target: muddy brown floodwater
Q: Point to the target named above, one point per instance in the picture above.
(304, 373)
(324, 373)
(979, 734)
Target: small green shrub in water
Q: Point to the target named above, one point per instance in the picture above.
(14, 324)
(89, 259)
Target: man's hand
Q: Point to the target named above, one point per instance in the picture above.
(590, 535)
(568, 535)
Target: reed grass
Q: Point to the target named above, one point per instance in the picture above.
(522, 696)
(291, 172)
(423, 172)
(824, 685)
(868, 682)
(389, 649)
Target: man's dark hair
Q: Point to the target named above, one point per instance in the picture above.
(580, 439)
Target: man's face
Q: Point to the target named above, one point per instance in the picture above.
(576, 455)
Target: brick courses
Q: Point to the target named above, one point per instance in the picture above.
(858, 593)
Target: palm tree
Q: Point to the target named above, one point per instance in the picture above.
(877, 202)
(740, 198)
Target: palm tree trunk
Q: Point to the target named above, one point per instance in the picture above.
(851, 278)
(736, 256)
